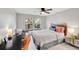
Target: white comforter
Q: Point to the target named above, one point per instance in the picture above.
(45, 36)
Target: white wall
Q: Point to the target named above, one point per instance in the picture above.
(22, 17)
(71, 17)
(7, 18)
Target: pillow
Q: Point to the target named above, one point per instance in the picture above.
(59, 29)
(52, 27)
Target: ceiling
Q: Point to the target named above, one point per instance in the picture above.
(36, 11)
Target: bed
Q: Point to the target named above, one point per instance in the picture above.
(46, 38)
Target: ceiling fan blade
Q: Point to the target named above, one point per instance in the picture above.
(47, 12)
(49, 9)
(42, 9)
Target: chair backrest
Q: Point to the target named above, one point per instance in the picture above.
(17, 42)
(25, 43)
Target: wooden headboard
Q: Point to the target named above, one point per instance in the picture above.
(65, 27)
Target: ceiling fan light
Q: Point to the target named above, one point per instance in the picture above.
(42, 13)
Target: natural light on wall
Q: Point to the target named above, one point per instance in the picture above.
(71, 30)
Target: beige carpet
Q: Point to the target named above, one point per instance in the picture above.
(63, 46)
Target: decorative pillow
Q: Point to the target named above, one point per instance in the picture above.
(52, 27)
(59, 29)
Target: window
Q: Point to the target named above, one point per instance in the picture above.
(31, 24)
(37, 23)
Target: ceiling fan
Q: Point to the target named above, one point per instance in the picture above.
(45, 10)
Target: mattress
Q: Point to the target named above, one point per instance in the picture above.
(46, 38)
